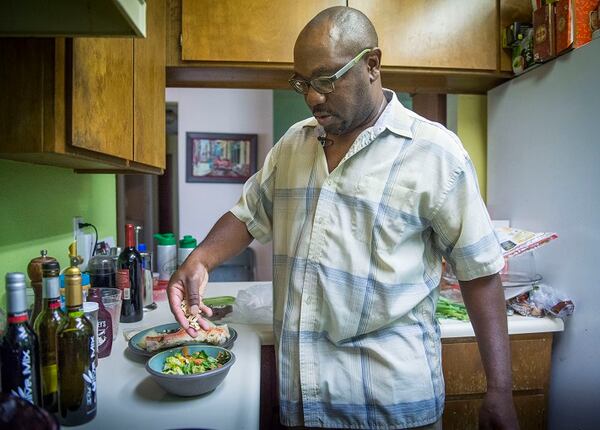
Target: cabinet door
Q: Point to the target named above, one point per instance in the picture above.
(435, 33)
(149, 140)
(243, 31)
(102, 96)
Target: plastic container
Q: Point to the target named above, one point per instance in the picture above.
(186, 246)
(159, 288)
(111, 299)
(166, 255)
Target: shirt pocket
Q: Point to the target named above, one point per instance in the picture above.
(379, 216)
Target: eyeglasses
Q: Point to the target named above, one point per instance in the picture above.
(324, 84)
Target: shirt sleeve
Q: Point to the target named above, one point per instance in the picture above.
(255, 206)
(463, 231)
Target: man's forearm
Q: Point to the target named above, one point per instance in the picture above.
(228, 237)
(484, 299)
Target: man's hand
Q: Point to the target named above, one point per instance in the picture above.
(189, 283)
(498, 411)
(484, 299)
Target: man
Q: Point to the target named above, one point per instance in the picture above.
(361, 203)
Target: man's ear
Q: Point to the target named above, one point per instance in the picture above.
(374, 64)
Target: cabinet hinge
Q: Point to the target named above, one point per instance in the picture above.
(181, 40)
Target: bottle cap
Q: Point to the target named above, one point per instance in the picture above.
(142, 247)
(50, 266)
(16, 300)
(15, 281)
(188, 242)
(165, 239)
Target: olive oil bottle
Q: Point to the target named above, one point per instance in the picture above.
(19, 351)
(76, 356)
(46, 326)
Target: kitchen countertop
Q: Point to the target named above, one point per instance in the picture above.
(129, 399)
(449, 328)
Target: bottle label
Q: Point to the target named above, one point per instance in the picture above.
(123, 283)
(89, 378)
(17, 318)
(54, 304)
(26, 391)
(50, 379)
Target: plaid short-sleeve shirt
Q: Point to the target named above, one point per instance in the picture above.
(357, 263)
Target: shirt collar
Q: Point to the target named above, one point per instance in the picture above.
(394, 118)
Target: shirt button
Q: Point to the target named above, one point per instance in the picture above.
(308, 300)
(320, 220)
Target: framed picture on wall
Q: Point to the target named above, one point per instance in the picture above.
(217, 157)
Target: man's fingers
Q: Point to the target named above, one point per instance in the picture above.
(205, 310)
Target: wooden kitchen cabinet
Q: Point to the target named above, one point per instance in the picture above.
(466, 386)
(91, 104)
(436, 33)
(149, 89)
(238, 30)
(102, 96)
(430, 47)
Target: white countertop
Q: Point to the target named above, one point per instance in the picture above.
(449, 328)
(129, 399)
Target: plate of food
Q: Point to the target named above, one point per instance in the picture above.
(148, 342)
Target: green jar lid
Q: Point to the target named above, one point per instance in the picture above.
(188, 242)
(165, 239)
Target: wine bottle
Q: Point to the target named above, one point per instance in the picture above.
(46, 326)
(130, 279)
(76, 358)
(19, 351)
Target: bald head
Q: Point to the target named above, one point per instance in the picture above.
(345, 29)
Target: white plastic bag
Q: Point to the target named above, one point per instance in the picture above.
(253, 305)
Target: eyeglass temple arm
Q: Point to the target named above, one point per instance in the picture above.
(351, 64)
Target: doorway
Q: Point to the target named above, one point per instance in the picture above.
(152, 201)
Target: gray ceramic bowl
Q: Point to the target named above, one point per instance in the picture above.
(189, 385)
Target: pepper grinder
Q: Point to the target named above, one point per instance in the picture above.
(34, 271)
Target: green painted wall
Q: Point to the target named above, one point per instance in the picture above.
(37, 207)
(288, 108)
(471, 128)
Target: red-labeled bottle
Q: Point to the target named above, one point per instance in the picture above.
(130, 279)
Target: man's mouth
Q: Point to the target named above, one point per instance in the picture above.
(322, 117)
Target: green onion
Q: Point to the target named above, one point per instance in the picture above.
(449, 309)
(219, 301)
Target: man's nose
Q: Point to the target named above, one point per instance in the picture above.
(314, 98)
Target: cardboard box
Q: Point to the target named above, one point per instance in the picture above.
(574, 20)
(543, 33)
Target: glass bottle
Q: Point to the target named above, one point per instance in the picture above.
(76, 358)
(46, 326)
(102, 270)
(130, 279)
(19, 350)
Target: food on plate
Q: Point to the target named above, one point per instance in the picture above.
(215, 335)
(184, 363)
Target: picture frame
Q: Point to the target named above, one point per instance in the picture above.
(220, 157)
